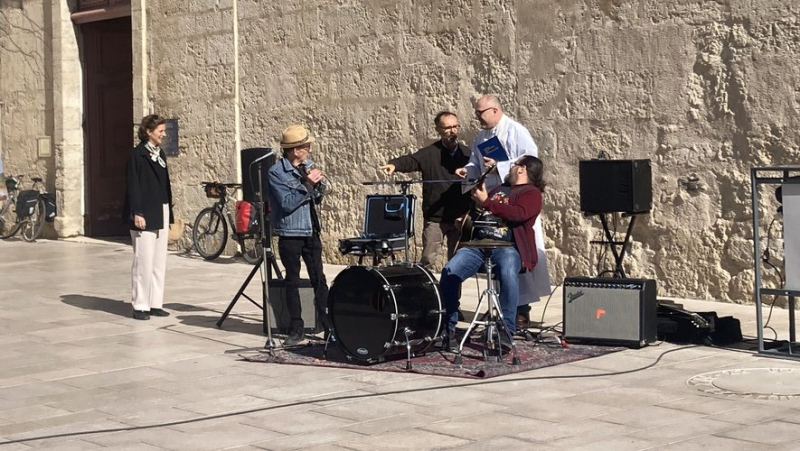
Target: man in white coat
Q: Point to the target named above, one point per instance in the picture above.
(517, 142)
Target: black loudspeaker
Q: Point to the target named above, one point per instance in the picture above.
(610, 311)
(281, 321)
(609, 186)
(250, 187)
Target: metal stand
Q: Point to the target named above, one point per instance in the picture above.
(493, 322)
(771, 176)
(266, 264)
(618, 248)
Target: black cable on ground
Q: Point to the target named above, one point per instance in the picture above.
(340, 398)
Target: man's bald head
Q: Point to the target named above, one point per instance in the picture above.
(488, 111)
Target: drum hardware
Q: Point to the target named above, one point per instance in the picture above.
(493, 323)
(407, 332)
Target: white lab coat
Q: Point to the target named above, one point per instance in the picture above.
(517, 141)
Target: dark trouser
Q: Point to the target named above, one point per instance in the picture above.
(309, 248)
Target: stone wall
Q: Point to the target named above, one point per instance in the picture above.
(24, 88)
(40, 85)
(706, 89)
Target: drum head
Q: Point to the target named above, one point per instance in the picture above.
(361, 308)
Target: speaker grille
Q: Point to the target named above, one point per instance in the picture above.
(608, 186)
(614, 310)
(250, 173)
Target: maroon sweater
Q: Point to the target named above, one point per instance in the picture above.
(523, 207)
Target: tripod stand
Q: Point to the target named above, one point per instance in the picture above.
(493, 320)
(266, 264)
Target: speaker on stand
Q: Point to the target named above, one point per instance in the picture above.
(250, 188)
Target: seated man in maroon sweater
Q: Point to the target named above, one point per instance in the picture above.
(504, 229)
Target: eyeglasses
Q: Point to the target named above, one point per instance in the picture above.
(452, 127)
(479, 113)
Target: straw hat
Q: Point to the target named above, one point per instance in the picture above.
(294, 136)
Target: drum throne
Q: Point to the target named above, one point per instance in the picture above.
(491, 319)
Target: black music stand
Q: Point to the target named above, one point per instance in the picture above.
(266, 263)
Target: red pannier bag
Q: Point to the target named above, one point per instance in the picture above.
(246, 217)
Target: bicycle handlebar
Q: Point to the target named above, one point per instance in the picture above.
(227, 185)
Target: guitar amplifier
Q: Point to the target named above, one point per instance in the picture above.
(610, 311)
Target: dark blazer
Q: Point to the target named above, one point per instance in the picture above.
(441, 202)
(143, 189)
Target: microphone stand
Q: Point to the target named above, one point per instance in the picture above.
(266, 253)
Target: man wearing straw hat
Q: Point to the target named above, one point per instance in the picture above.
(296, 189)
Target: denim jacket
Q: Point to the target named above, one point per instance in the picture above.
(290, 200)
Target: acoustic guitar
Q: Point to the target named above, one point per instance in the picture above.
(468, 220)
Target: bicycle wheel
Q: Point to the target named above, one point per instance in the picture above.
(8, 219)
(33, 225)
(251, 249)
(210, 233)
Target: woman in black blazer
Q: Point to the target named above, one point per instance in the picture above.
(148, 211)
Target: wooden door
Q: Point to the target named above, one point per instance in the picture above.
(108, 124)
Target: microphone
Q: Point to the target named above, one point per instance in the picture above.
(267, 155)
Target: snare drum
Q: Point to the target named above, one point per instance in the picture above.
(373, 310)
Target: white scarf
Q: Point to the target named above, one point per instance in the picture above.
(155, 154)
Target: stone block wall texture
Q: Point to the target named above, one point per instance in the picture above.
(24, 89)
(706, 89)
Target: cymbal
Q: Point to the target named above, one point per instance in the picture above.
(416, 181)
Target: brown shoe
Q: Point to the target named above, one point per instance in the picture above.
(523, 321)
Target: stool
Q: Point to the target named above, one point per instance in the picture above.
(492, 320)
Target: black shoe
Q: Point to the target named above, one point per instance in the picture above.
(460, 315)
(294, 338)
(158, 312)
(141, 314)
(523, 321)
(449, 341)
(506, 341)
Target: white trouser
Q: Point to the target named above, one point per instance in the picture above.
(149, 265)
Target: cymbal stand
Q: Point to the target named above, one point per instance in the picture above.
(404, 185)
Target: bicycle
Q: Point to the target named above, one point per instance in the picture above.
(28, 202)
(210, 233)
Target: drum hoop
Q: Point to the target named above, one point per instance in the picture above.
(435, 286)
(394, 301)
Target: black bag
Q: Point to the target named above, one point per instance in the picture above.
(50, 210)
(26, 203)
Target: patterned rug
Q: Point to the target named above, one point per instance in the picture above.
(532, 355)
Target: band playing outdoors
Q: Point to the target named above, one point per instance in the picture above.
(481, 203)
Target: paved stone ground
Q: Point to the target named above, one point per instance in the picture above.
(76, 372)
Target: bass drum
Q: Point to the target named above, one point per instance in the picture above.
(371, 308)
